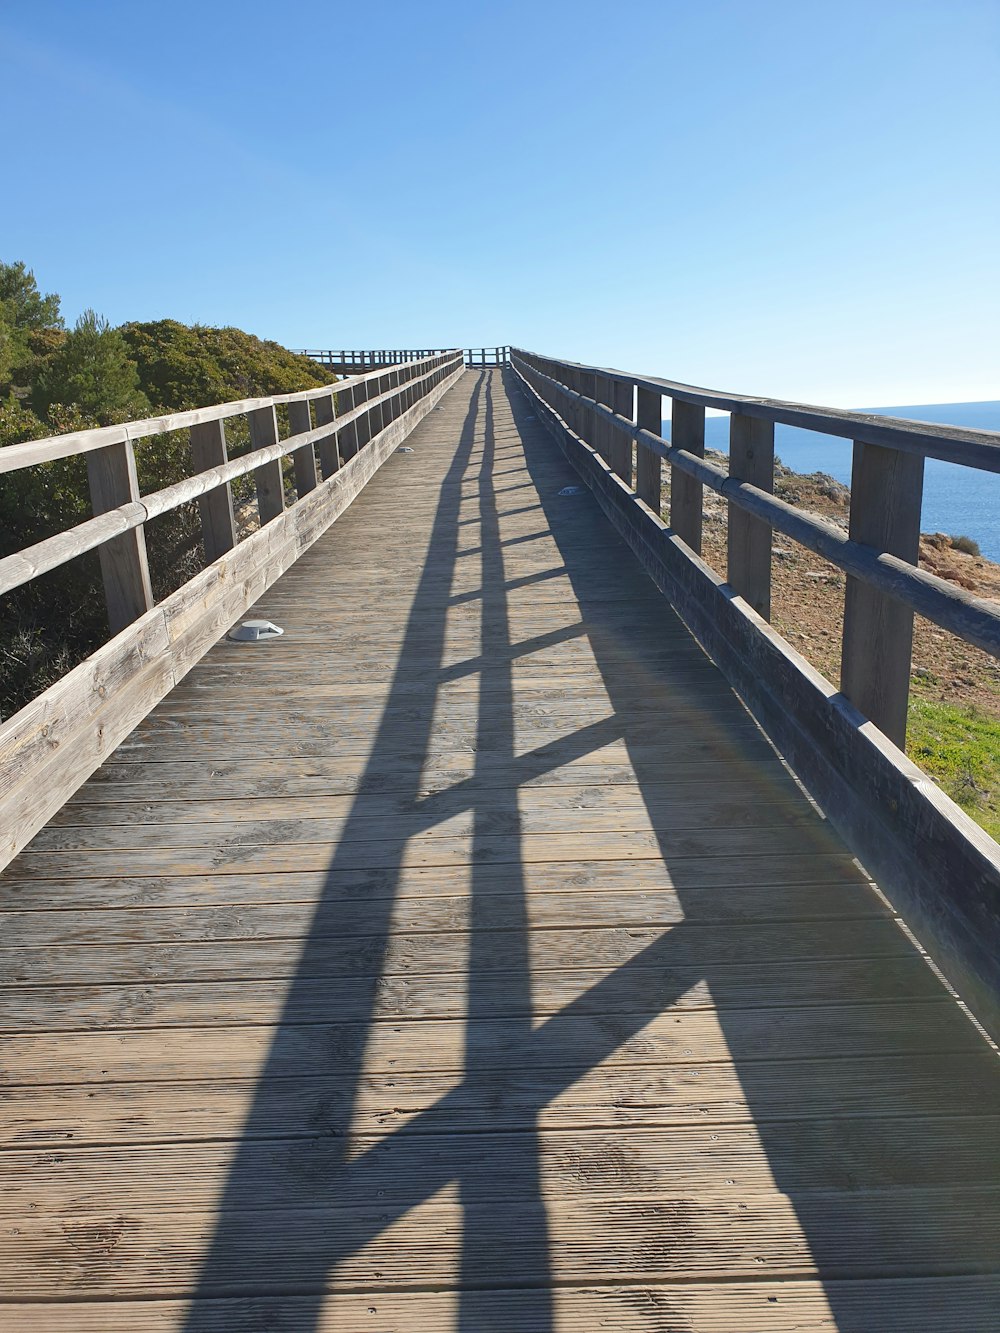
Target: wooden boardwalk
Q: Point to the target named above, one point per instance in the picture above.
(467, 960)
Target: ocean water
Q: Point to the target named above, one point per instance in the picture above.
(957, 500)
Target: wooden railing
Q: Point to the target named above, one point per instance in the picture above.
(486, 356)
(611, 410)
(340, 435)
(363, 359)
(941, 867)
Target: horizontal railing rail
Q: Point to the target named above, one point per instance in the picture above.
(338, 435)
(936, 864)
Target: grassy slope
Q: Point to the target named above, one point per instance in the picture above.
(960, 748)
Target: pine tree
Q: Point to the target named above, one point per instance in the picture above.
(92, 371)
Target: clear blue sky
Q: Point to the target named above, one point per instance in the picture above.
(795, 199)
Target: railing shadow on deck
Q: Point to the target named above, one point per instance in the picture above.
(262, 1246)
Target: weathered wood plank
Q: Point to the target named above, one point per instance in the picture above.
(654, 1038)
(607, 1098)
(743, 985)
(497, 849)
(694, 944)
(807, 875)
(629, 1163)
(901, 1305)
(159, 1254)
(205, 828)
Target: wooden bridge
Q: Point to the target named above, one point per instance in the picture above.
(499, 947)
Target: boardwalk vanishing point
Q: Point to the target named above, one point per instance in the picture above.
(468, 958)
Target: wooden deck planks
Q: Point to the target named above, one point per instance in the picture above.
(467, 959)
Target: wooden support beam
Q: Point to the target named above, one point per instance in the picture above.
(886, 493)
(648, 416)
(588, 425)
(124, 566)
(363, 425)
(621, 445)
(304, 459)
(329, 456)
(376, 420)
(751, 458)
(687, 432)
(218, 525)
(395, 404)
(603, 434)
(268, 479)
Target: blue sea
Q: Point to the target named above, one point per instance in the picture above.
(957, 500)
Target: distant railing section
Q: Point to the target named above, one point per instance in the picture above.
(339, 435)
(612, 409)
(368, 359)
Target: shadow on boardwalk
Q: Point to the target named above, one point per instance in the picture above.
(261, 1245)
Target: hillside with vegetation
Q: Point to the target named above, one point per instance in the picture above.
(55, 379)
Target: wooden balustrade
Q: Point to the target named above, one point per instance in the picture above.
(940, 870)
(57, 740)
(884, 586)
(346, 359)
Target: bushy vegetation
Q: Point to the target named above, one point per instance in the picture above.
(54, 380)
(967, 544)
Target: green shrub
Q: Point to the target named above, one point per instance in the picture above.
(51, 382)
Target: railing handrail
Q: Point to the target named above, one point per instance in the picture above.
(879, 554)
(973, 619)
(964, 445)
(25, 565)
(13, 457)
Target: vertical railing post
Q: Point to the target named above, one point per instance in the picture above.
(304, 459)
(124, 565)
(587, 385)
(395, 405)
(379, 414)
(751, 458)
(621, 444)
(602, 435)
(648, 416)
(687, 432)
(218, 524)
(363, 425)
(270, 484)
(886, 492)
(329, 456)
